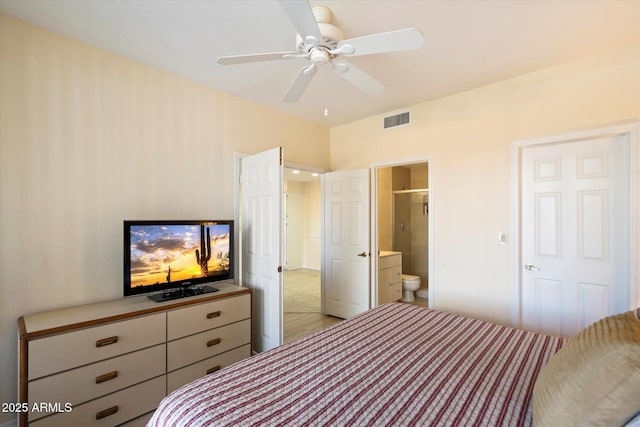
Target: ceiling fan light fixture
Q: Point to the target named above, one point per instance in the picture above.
(310, 40)
(331, 36)
(345, 49)
(340, 67)
(319, 56)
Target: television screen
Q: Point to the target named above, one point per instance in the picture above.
(170, 255)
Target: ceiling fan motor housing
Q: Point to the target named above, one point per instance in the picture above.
(331, 34)
(322, 14)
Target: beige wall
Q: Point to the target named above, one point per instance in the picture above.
(312, 225)
(385, 210)
(304, 209)
(469, 137)
(89, 139)
(294, 208)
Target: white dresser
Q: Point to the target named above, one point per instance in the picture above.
(111, 363)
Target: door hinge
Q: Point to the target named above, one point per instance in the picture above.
(279, 269)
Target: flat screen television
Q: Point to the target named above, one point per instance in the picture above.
(174, 259)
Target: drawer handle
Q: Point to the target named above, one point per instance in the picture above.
(214, 369)
(106, 341)
(106, 377)
(213, 342)
(106, 412)
(213, 315)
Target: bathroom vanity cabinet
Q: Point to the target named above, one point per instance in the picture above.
(389, 276)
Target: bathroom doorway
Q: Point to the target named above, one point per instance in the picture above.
(403, 221)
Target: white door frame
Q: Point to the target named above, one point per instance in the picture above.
(374, 222)
(632, 132)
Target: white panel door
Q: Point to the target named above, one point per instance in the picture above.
(346, 259)
(575, 233)
(261, 231)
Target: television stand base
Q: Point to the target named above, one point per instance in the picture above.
(181, 293)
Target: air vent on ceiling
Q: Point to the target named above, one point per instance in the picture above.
(396, 120)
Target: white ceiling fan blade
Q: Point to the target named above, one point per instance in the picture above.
(258, 57)
(393, 41)
(358, 78)
(300, 83)
(301, 15)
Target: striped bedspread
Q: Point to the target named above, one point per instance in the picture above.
(395, 365)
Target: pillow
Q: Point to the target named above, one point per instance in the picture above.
(594, 380)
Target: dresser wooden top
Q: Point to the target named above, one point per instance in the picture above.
(68, 319)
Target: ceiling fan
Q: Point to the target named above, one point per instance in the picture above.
(320, 43)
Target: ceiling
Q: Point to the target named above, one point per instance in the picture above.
(300, 175)
(467, 43)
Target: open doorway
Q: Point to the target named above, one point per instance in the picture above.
(302, 289)
(402, 230)
(302, 232)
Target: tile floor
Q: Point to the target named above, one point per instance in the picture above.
(301, 291)
(302, 304)
(421, 302)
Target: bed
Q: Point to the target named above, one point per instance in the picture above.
(394, 365)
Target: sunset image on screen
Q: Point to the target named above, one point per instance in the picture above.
(169, 253)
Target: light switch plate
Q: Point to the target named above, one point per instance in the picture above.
(502, 238)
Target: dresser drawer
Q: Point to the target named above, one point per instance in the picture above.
(112, 409)
(186, 351)
(198, 318)
(72, 349)
(177, 379)
(141, 421)
(88, 382)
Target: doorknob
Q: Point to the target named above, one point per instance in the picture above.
(531, 267)
(363, 254)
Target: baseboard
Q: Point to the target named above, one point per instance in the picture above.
(422, 293)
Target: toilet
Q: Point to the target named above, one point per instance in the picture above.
(410, 284)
